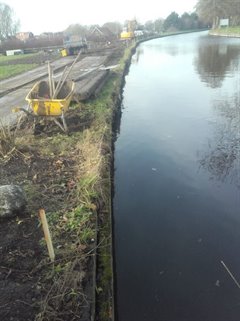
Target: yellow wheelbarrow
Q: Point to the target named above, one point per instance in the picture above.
(51, 99)
(42, 103)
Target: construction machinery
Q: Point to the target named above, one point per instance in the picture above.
(73, 44)
(128, 31)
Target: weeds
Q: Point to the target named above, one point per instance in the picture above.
(73, 225)
(7, 140)
(69, 176)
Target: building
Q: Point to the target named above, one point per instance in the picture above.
(103, 35)
(24, 36)
(14, 52)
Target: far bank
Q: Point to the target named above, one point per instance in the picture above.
(231, 32)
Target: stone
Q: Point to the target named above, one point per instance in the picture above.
(12, 201)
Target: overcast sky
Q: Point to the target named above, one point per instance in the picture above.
(49, 15)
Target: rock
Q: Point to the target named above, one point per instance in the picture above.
(12, 200)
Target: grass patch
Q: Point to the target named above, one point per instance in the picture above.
(228, 31)
(13, 70)
(17, 57)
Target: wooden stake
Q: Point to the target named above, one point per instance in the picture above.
(50, 80)
(47, 234)
(56, 91)
(67, 75)
(53, 83)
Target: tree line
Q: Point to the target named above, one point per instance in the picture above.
(187, 21)
(8, 24)
(211, 11)
(208, 13)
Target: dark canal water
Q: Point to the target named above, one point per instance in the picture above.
(177, 182)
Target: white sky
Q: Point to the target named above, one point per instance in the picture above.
(48, 15)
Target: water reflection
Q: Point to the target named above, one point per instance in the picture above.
(215, 60)
(169, 48)
(222, 159)
(172, 225)
(136, 57)
(173, 50)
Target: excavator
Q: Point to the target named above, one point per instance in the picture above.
(128, 32)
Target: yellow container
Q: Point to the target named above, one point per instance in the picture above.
(64, 52)
(42, 105)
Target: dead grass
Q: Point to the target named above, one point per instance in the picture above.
(7, 141)
(69, 176)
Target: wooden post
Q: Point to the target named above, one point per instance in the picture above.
(67, 75)
(47, 234)
(56, 91)
(53, 83)
(50, 80)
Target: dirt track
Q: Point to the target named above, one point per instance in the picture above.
(14, 90)
(16, 82)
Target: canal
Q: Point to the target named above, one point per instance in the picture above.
(176, 199)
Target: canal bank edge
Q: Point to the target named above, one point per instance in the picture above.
(226, 32)
(105, 258)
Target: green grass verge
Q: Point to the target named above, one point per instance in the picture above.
(228, 31)
(13, 70)
(17, 57)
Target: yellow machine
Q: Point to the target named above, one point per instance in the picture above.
(127, 35)
(73, 44)
(64, 52)
(128, 32)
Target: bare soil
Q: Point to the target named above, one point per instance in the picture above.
(31, 287)
(29, 283)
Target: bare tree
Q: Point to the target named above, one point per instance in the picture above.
(76, 29)
(211, 11)
(8, 24)
(234, 12)
(114, 27)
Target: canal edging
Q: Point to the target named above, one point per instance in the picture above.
(105, 256)
(221, 33)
